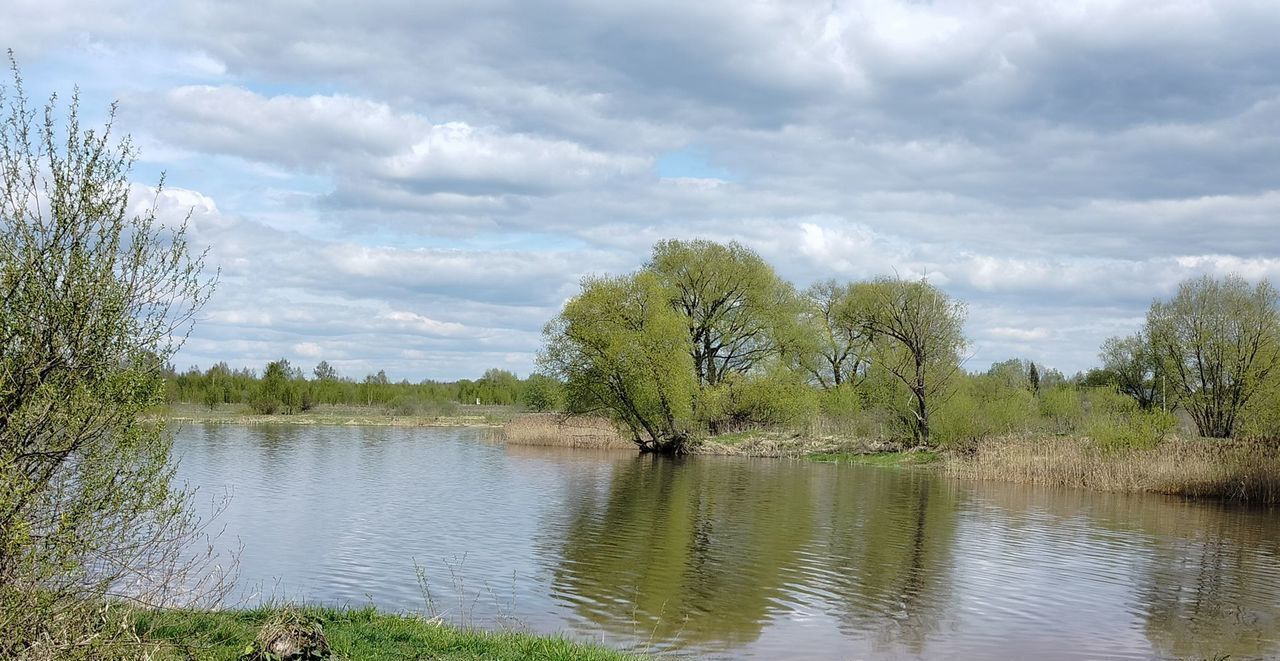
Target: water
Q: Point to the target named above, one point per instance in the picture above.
(732, 557)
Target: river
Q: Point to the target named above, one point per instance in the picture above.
(732, 557)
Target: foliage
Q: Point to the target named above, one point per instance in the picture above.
(1134, 366)
(737, 311)
(221, 385)
(543, 393)
(833, 345)
(777, 397)
(623, 351)
(918, 336)
(93, 302)
(1219, 343)
(1140, 429)
(985, 406)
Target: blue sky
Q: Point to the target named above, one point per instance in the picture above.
(418, 187)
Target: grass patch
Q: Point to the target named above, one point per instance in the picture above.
(882, 459)
(352, 634)
(553, 429)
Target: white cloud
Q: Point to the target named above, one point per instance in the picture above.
(418, 186)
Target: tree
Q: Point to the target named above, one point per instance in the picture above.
(1012, 373)
(917, 335)
(834, 339)
(94, 302)
(623, 351)
(543, 393)
(1219, 343)
(1134, 367)
(278, 390)
(737, 311)
(325, 372)
(1033, 377)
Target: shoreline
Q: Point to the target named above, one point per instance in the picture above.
(1210, 469)
(349, 633)
(490, 417)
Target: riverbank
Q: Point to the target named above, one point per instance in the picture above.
(1243, 471)
(349, 634)
(453, 415)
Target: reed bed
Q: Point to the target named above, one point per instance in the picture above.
(1245, 471)
(560, 431)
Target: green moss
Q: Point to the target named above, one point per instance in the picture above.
(885, 459)
(352, 634)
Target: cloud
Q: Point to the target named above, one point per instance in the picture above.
(418, 187)
(365, 143)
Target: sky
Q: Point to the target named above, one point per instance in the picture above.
(419, 186)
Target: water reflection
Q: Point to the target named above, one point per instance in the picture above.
(689, 552)
(887, 546)
(735, 557)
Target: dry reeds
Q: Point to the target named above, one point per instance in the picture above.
(560, 431)
(1204, 468)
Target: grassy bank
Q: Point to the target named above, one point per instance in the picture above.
(350, 634)
(454, 415)
(1243, 471)
(552, 429)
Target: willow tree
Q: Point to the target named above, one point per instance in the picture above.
(918, 334)
(834, 343)
(1219, 343)
(737, 311)
(622, 351)
(93, 302)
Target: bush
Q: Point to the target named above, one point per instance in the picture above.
(775, 398)
(1063, 408)
(1134, 430)
(264, 405)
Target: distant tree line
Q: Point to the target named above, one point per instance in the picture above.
(282, 388)
(706, 338)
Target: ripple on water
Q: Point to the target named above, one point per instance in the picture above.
(738, 558)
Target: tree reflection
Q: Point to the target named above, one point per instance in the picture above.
(889, 543)
(1205, 593)
(686, 552)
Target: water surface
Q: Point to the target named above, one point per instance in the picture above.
(734, 557)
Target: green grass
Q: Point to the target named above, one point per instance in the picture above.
(352, 634)
(884, 459)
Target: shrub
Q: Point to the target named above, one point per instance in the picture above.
(1136, 429)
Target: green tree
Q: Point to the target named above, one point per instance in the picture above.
(919, 334)
(1135, 368)
(94, 302)
(325, 372)
(277, 391)
(1219, 343)
(1033, 377)
(623, 351)
(543, 393)
(834, 340)
(737, 311)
